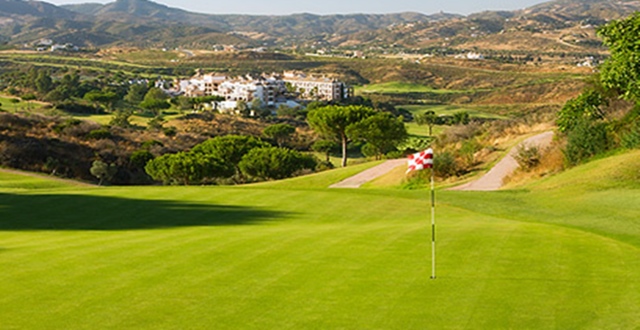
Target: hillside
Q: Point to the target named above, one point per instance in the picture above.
(565, 26)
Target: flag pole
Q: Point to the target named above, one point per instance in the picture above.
(433, 227)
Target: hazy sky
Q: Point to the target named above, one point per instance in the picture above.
(285, 7)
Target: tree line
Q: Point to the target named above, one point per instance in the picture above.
(606, 115)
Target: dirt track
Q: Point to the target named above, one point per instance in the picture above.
(363, 177)
(492, 180)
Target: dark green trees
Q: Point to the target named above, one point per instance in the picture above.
(332, 122)
(382, 132)
(187, 168)
(279, 132)
(275, 163)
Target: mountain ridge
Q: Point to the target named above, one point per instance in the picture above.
(145, 23)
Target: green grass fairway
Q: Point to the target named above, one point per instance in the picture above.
(440, 110)
(400, 88)
(13, 104)
(561, 254)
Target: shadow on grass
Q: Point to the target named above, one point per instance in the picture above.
(80, 212)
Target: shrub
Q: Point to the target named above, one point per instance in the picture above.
(445, 165)
(468, 151)
(280, 133)
(59, 128)
(631, 138)
(587, 106)
(187, 168)
(586, 140)
(121, 118)
(103, 171)
(150, 143)
(324, 166)
(275, 163)
(527, 157)
(230, 148)
(170, 131)
(140, 158)
(155, 123)
(29, 97)
(74, 107)
(325, 147)
(394, 154)
(369, 150)
(99, 134)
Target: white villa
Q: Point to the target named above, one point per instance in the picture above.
(270, 90)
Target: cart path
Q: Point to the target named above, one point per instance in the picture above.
(371, 174)
(492, 180)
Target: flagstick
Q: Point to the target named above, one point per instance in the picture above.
(433, 228)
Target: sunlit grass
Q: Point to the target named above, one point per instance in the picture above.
(562, 254)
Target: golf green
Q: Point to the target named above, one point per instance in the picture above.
(555, 256)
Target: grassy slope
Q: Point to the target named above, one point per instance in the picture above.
(563, 254)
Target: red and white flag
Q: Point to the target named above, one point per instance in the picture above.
(421, 160)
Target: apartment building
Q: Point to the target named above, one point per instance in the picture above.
(268, 88)
(312, 87)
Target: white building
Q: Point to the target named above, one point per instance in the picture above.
(321, 88)
(267, 89)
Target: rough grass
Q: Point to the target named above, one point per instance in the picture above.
(564, 254)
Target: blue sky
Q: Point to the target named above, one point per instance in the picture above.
(285, 7)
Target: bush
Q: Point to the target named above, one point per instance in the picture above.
(170, 131)
(188, 168)
(445, 165)
(99, 134)
(155, 123)
(73, 107)
(527, 157)
(140, 158)
(230, 148)
(59, 128)
(631, 138)
(587, 106)
(103, 171)
(29, 97)
(275, 163)
(394, 154)
(326, 147)
(146, 145)
(121, 118)
(586, 140)
(324, 166)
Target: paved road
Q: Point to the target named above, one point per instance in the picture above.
(363, 177)
(492, 180)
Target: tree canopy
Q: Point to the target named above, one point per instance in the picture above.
(274, 163)
(279, 132)
(382, 132)
(621, 71)
(229, 148)
(187, 168)
(332, 122)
